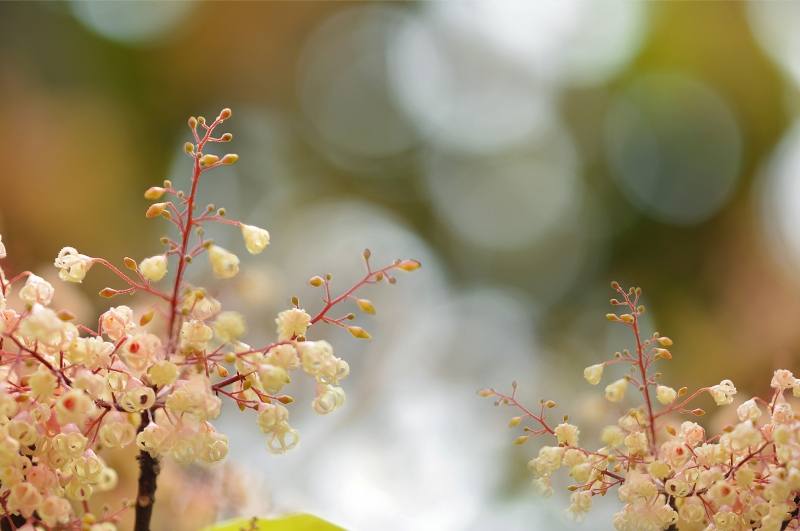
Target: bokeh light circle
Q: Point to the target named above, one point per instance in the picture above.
(509, 200)
(342, 83)
(674, 147)
(143, 23)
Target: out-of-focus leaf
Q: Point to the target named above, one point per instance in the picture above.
(297, 522)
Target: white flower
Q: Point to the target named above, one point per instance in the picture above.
(255, 239)
(224, 264)
(615, 392)
(164, 373)
(593, 373)
(291, 323)
(72, 264)
(36, 289)
(328, 399)
(749, 411)
(723, 393)
(665, 394)
(154, 268)
(42, 324)
(782, 380)
(117, 322)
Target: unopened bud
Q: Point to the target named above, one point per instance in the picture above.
(227, 137)
(350, 316)
(664, 353)
(188, 147)
(550, 404)
(241, 406)
(615, 285)
(155, 210)
(670, 430)
(316, 281)
(130, 263)
(230, 158)
(626, 318)
(201, 120)
(664, 341)
(698, 412)
(485, 393)
(285, 399)
(192, 122)
(390, 279)
(367, 254)
(612, 317)
(65, 315)
(682, 391)
(365, 306)
(515, 422)
(208, 160)
(522, 439)
(225, 114)
(295, 300)
(408, 265)
(230, 357)
(147, 317)
(379, 277)
(222, 371)
(108, 292)
(154, 193)
(358, 332)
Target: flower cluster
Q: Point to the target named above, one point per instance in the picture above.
(66, 390)
(745, 478)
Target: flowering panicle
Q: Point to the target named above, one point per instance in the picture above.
(66, 389)
(745, 478)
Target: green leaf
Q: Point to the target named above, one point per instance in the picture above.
(297, 522)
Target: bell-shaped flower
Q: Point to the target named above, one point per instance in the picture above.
(255, 239)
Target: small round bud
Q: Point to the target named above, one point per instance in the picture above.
(192, 122)
(367, 254)
(350, 316)
(550, 404)
(201, 120)
(225, 114)
(615, 285)
(188, 147)
(147, 317)
(222, 212)
(295, 300)
(316, 281)
(230, 357)
(227, 137)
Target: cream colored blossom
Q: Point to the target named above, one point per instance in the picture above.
(117, 322)
(229, 326)
(748, 410)
(36, 290)
(291, 323)
(723, 392)
(72, 264)
(195, 335)
(665, 394)
(593, 373)
(154, 268)
(224, 264)
(41, 324)
(782, 380)
(255, 239)
(163, 373)
(328, 399)
(567, 434)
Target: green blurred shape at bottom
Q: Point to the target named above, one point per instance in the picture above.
(297, 522)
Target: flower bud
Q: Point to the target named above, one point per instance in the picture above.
(155, 210)
(358, 332)
(154, 193)
(409, 265)
(255, 239)
(665, 394)
(154, 268)
(615, 392)
(224, 264)
(593, 373)
(365, 305)
(208, 160)
(229, 159)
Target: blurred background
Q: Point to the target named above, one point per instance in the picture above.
(527, 153)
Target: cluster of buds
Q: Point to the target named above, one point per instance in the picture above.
(668, 477)
(68, 390)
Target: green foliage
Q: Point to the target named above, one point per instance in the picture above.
(297, 522)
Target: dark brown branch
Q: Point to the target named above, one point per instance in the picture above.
(149, 467)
